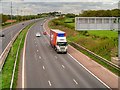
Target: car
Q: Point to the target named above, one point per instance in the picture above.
(38, 34)
(41, 24)
(45, 33)
(22, 23)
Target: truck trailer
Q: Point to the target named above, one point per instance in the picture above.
(58, 40)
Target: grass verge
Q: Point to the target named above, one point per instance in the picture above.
(9, 64)
(115, 71)
(103, 44)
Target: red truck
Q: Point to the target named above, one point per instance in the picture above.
(58, 40)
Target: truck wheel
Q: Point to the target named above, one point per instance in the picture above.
(65, 52)
(55, 48)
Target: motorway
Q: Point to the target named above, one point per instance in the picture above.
(10, 32)
(44, 68)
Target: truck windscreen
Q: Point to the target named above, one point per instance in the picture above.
(62, 43)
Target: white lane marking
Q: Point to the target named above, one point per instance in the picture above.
(56, 57)
(49, 83)
(37, 50)
(63, 66)
(43, 67)
(89, 71)
(39, 57)
(75, 81)
(23, 62)
(23, 68)
(82, 65)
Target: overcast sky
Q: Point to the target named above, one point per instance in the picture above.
(65, 6)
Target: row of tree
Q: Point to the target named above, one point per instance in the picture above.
(101, 13)
(86, 13)
(4, 18)
(96, 13)
(26, 17)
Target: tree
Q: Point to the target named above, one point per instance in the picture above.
(4, 18)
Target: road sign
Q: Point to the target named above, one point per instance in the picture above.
(97, 23)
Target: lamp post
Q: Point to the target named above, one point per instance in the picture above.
(11, 24)
(119, 34)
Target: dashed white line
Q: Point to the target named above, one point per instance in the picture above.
(37, 50)
(39, 57)
(75, 81)
(49, 83)
(63, 66)
(56, 57)
(89, 71)
(43, 67)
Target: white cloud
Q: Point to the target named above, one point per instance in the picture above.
(62, 0)
(64, 7)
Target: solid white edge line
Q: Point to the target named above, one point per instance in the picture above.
(23, 69)
(7, 48)
(13, 74)
(49, 83)
(83, 65)
(89, 71)
(75, 81)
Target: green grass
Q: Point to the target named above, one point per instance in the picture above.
(9, 64)
(9, 24)
(101, 33)
(103, 43)
(116, 71)
(69, 20)
(70, 23)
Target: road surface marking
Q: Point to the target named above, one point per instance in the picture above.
(63, 66)
(34, 39)
(83, 66)
(36, 45)
(35, 42)
(49, 83)
(39, 57)
(56, 57)
(37, 50)
(89, 71)
(75, 81)
(43, 67)
(23, 62)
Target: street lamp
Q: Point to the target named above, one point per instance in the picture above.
(11, 24)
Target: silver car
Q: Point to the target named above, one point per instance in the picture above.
(38, 34)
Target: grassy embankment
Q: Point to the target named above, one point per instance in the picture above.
(103, 43)
(9, 24)
(9, 64)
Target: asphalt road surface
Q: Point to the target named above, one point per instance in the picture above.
(44, 68)
(10, 32)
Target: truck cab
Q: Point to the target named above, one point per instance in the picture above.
(61, 45)
(58, 40)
